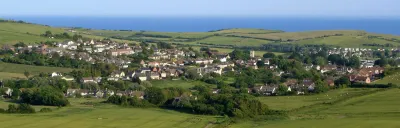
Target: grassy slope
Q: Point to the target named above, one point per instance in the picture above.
(228, 50)
(15, 32)
(373, 110)
(237, 41)
(15, 69)
(395, 79)
(103, 116)
(11, 33)
(176, 83)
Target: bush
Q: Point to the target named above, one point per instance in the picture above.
(25, 108)
(2, 110)
(45, 110)
(44, 96)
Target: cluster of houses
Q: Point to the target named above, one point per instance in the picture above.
(103, 93)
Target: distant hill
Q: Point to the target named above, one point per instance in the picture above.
(13, 32)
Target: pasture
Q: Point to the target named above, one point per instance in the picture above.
(177, 83)
(395, 79)
(33, 70)
(293, 102)
(89, 113)
(373, 110)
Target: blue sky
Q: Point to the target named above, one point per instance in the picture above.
(360, 8)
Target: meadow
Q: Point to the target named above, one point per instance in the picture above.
(394, 78)
(90, 113)
(372, 110)
(9, 70)
(294, 102)
(177, 83)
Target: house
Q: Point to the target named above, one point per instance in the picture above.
(362, 79)
(7, 91)
(118, 74)
(328, 68)
(141, 76)
(216, 91)
(88, 80)
(154, 76)
(55, 74)
(270, 89)
(118, 52)
(72, 92)
(138, 94)
(330, 82)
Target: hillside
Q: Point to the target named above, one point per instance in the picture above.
(257, 37)
(8, 70)
(12, 32)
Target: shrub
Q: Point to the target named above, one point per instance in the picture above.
(44, 96)
(45, 110)
(25, 108)
(2, 110)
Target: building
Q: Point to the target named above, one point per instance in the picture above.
(118, 52)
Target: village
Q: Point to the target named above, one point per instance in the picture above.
(172, 63)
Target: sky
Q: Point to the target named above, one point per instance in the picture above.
(351, 8)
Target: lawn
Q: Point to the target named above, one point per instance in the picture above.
(176, 83)
(33, 70)
(105, 116)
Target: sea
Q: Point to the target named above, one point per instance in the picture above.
(204, 24)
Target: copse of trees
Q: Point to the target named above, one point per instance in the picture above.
(229, 102)
(44, 96)
(21, 109)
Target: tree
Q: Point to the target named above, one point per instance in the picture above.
(192, 74)
(48, 34)
(382, 62)
(342, 81)
(146, 84)
(282, 90)
(155, 96)
(321, 61)
(26, 73)
(354, 62)
(15, 94)
(260, 64)
(269, 55)
(320, 87)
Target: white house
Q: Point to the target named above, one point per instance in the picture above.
(55, 74)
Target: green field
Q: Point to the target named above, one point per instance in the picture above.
(9, 70)
(395, 79)
(176, 83)
(229, 50)
(103, 116)
(293, 102)
(11, 33)
(236, 41)
(375, 110)
(346, 41)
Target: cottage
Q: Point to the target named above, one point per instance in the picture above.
(154, 76)
(118, 52)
